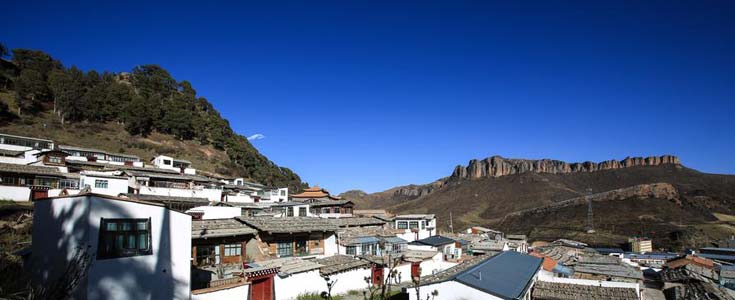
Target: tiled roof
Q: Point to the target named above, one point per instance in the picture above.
(219, 228)
(320, 203)
(315, 192)
(357, 221)
(548, 263)
(418, 255)
(7, 152)
(73, 148)
(161, 198)
(543, 290)
(290, 224)
(33, 170)
(415, 217)
(490, 245)
(619, 270)
(690, 259)
(340, 263)
(288, 265)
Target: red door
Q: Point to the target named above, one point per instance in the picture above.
(377, 275)
(262, 289)
(38, 194)
(415, 269)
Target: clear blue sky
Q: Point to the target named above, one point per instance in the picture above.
(374, 94)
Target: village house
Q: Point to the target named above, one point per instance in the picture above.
(154, 181)
(449, 248)
(508, 275)
(180, 165)
(25, 182)
(293, 236)
(100, 156)
(356, 241)
(323, 204)
(416, 226)
(133, 249)
(217, 242)
(21, 150)
(107, 183)
(641, 245)
(180, 204)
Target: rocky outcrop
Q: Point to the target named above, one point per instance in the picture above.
(415, 191)
(497, 166)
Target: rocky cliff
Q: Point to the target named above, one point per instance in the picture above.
(497, 166)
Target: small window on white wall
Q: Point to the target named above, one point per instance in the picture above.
(100, 184)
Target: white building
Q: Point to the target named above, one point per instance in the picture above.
(161, 182)
(25, 182)
(214, 212)
(106, 183)
(100, 156)
(416, 226)
(508, 275)
(139, 250)
(170, 163)
(450, 249)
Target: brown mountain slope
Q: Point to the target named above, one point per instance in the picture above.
(686, 219)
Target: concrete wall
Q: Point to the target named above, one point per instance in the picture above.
(240, 198)
(62, 226)
(349, 281)
(15, 193)
(238, 292)
(55, 192)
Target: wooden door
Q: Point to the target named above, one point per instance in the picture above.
(262, 289)
(38, 194)
(377, 275)
(415, 269)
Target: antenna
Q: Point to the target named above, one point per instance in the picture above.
(590, 216)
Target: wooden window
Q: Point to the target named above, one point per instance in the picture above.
(233, 250)
(302, 211)
(100, 184)
(325, 210)
(285, 249)
(55, 159)
(413, 224)
(301, 247)
(124, 238)
(289, 212)
(366, 249)
(423, 224)
(402, 225)
(351, 250)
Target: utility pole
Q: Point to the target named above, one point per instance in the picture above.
(590, 216)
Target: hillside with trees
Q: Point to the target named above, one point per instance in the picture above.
(137, 112)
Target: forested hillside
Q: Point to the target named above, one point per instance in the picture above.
(37, 89)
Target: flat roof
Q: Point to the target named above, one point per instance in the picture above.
(202, 229)
(290, 224)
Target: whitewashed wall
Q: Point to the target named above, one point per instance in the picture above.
(296, 284)
(450, 290)
(62, 225)
(330, 246)
(56, 192)
(217, 212)
(15, 193)
(349, 281)
(115, 186)
(210, 194)
(549, 277)
(239, 292)
(239, 198)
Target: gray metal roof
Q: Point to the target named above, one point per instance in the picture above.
(507, 275)
(219, 228)
(436, 240)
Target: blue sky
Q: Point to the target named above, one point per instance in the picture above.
(373, 94)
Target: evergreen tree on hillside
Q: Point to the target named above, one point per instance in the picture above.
(30, 88)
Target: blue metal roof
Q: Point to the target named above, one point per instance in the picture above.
(436, 240)
(395, 240)
(507, 275)
(607, 251)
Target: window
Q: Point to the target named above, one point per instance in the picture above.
(325, 210)
(167, 162)
(402, 225)
(289, 211)
(71, 184)
(366, 249)
(54, 159)
(283, 192)
(100, 184)
(124, 237)
(233, 250)
(351, 250)
(301, 247)
(423, 224)
(302, 211)
(413, 224)
(285, 249)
